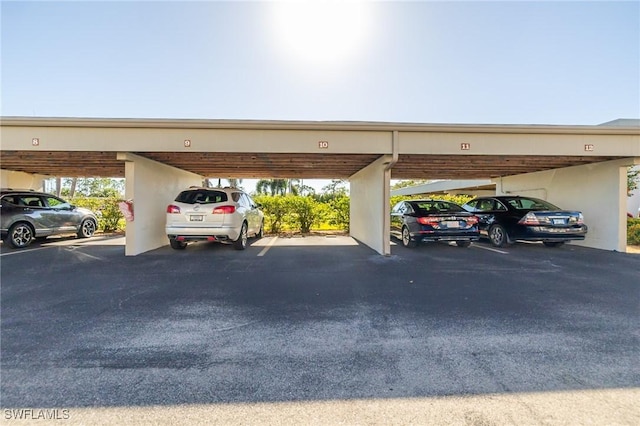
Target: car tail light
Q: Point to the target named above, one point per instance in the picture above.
(529, 219)
(173, 209)
(224, 210)
(427, 221)
(472, 220)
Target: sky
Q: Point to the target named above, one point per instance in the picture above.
(503, 62)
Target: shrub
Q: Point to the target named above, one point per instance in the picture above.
(632, 221)
(109, 217)
(339, 212)
(305, 212)
(275, 211)
(633, 231)
(458, 199)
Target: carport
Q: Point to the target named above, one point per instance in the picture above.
(582, 167)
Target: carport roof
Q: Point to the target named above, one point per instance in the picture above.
(256, 163)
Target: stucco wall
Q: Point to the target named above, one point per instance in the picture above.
(598, 190)
(369, 189)
(20, 180)
(151, 186)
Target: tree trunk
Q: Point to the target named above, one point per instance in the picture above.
(74, 183)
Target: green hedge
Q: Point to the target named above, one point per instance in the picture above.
(458, 199)
(109, 217)
(339, 212)
(633, 231)
(298, 213)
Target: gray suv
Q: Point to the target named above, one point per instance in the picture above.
(26, 215)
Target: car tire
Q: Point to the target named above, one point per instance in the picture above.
(87, 228)
(498, 235)
(177, 245)
(553, 243)
(260, 233)
(20, 235)
(406, 238)
(241, 242)
(463, 243)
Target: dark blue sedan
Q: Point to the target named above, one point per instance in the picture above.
(415, 221)
(505, 219)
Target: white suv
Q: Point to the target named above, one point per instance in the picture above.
(226, 215)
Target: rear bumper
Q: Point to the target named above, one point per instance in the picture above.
(200, 234)
(446, 236)
(541, 233)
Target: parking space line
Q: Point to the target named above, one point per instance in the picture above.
(75, 250)
(267, 247)
(23, 251)
(490, 249)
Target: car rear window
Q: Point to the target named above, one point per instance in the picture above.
(201, 196)
(23, 200)
(530, 204)
(9, 199)
(431, 207)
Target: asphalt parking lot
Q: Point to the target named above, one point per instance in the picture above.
(320, 330)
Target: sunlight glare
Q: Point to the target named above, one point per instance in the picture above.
(320, 32)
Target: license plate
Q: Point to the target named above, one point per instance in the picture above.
(196, 218)
(451, 224)
(558, 221)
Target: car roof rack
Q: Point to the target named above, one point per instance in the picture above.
(18, 189)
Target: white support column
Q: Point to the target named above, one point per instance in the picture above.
(599, 190)
(369, 189)
(151, 186)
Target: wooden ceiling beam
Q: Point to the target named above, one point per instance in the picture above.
(283, 165)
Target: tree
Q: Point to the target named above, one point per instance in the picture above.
(333, 190)
(293, 186)
(234, 183)
(336, 187)
(407, 183)
(262, 186)
(92, 187)
(306, 190)
(272, 186)
(633, 176)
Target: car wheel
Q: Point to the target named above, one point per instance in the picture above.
(177, 245)
(498, 235)
(20, 235)
(87, 229)
(553, 243)
(406, 238)
(260, 233)
(463, 243)
(241, 242)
